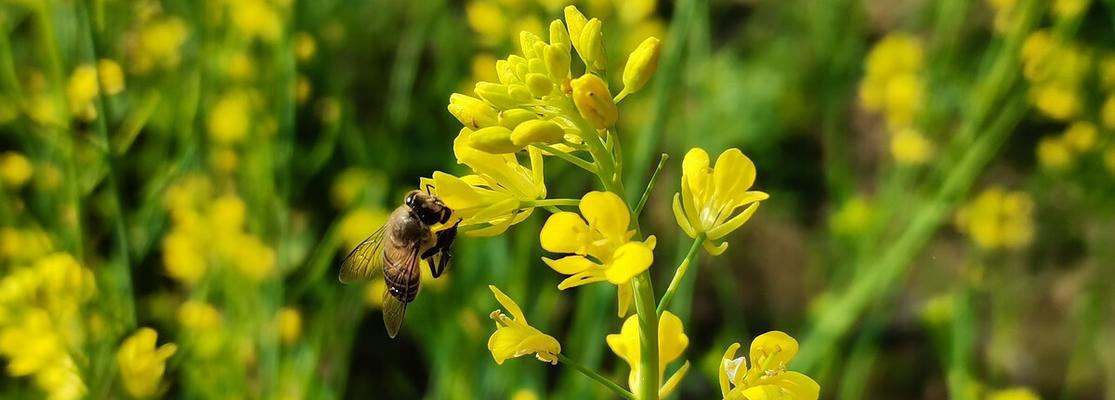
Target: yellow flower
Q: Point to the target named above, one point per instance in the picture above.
(304, 46)
(710, 196)
(253, 258)
(853, 217)
(1068, 8)
(289, 322)
(494, 193)
(601, 244)
(31, 344)
(487, 19)
(111, 75)
(514, 337)
(1015, 393)
(1054, 153)
(892, 83)
(198, 316)
(183, 257)
(357, 225)
(1056, 101)
(230, 119)
(258, 19)
(766, 378)
(998, 219)
(672, 341)
(910, 147)
(142, 364)
(472, 112)
(15, 169)
(157, 44)
(82, 90)
(1081, 136)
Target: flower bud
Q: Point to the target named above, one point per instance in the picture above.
(512, 118)
(493, 139)
(594, 102)
(519, 66)
(537, 131)
(559, 36)
(505, 72)
(495, 94)
(592, 45)
(576, 23)
(557, 62)
(520, 93)
(527, 41)
(472, 112)
(641, 64)
(539, 84)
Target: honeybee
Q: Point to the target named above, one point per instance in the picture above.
(398, 246)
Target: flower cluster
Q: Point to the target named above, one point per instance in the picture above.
(40, 322)
(1056, 69)
(998, 219)
(209, 232)
(142, 364)
(893, 86)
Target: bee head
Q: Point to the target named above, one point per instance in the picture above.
(428, 208)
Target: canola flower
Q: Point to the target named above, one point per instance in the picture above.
(142, 364)
(539, 107)
(893, 85)
(764, 376)
(998, 219)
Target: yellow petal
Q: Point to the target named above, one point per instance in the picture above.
(623, 297)
(508, 304)
(519, 340)
(681, 218)
(695, 167)
(773, 350)
(725, 379)
(498, 209)
(606, 212)
(672, 340)
(562, 233)
(734, 172)
(733, 223)
(570, 265)
(714, 249)
(797, 385)
(625, 344)
(582, 278)
(456, 193)
(629, 260)
(671, 384)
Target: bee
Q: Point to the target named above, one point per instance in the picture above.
(397, 247)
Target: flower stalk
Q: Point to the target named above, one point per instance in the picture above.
(565, 360)
(690, 258)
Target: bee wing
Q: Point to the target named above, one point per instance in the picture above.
(402, 277)
(363, 261)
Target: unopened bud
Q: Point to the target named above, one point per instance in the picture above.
(559, 36)
(537, 131)
(527, 41)
(495, 94)
(512, 118)
(472, 112)
(641, 65)
(557, 62)
(493, 139)
(592, 45)
(539, 84)
(594, 102)
(575, 21)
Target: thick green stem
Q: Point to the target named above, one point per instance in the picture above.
(596, 377)
(690, 258)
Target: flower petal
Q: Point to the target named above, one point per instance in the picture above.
(681, 218)
(570, 265)
(607, 213)
(773, 350)
(671, 384)
(672, 340)
(628, 260)
(714, 249)
(562, 232)
(582, 278)
(508, 304)
(734, 223)
(624, 296)
(734, 172)
(727, 375)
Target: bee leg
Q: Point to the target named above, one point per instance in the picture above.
(428, 191)
(442, 263)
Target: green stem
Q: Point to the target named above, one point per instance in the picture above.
(650, 184)
(572, 159)
(596, 377)
(690, 258)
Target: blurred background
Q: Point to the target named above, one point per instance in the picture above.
(942, 179)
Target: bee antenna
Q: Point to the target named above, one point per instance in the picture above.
(428, 186)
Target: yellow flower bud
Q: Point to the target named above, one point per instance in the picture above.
(592, 45)
(472, 112)
(527, 41)
(641, 64)
(576, 23)
(493, 139)
(557, 62)
(559, 36)
(111, 75)
(505, 72)
(496, 95)
(539, 84)
(519, 93)
(1081, 136)
(537, 131)
(512, 118)
(594, 102)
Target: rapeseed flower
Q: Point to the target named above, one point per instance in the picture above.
(600, 243)
(672, 341)
(711, 195)
(892, 82)
(998, 219)
(765, 377)
(142, 364)
(514, 337)
(15, 170)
